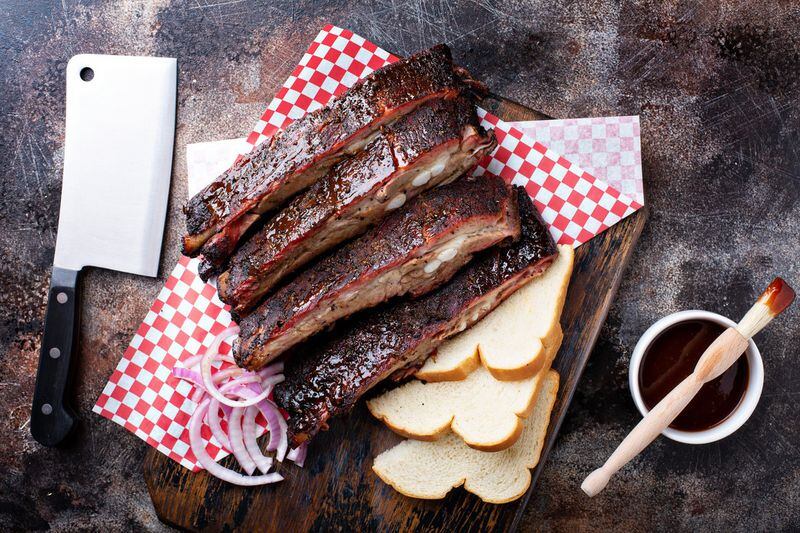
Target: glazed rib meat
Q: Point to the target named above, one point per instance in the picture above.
(411, 251)
(430, 146)
(326, 377)
(219, 215)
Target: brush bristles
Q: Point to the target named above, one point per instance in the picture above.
(775, 299)
(754, 321)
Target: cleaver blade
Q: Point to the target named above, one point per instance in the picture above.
(120, 129)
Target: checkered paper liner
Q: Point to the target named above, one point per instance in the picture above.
(144, 397)
(607, 147)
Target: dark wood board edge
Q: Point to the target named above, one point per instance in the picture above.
(618, 243)
(631, 228)
(510, 110)
(598, 264)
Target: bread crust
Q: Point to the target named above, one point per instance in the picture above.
(477, 485)
(498, 442)
(529, 368)
(456, 373)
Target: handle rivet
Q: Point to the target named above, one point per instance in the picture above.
(47, 409)
(55, 353)
(61, 297)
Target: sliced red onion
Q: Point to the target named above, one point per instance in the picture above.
(221, 336)
(208, 381)
(251, 441)
(194, 377)
(221, 375)
(212, 354)
(276, 424)
(292, 455)
(198, 394)
(253, 389)
(240, 381)
(216, 427)
(274, 368)
(271, 381)
(213, 468)
(188, 375)
(278, 440)
(266, 385)
(191, 361)
(214, 407)
(298, 455)
(237, 441)
(232, 388)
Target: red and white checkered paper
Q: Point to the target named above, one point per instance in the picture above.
(607, 147)
(144, 397)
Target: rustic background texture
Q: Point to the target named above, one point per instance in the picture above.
(716, 86)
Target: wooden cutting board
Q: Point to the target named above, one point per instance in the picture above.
(337, 489)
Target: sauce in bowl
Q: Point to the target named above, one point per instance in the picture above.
(672, 356)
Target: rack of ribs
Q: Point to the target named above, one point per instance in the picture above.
(220, 215)
(430, 146)
(411, 251)
(326, 377)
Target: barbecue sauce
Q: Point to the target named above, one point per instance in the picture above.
(672, 356)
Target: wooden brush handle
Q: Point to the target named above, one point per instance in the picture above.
(719, 357)
(715, 360)
(644, 433)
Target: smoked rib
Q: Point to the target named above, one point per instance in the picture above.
(327, 376)
(411, 251)
(219, 215)
(430, 146)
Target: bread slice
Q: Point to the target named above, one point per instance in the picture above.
(510, 341)
(429, 470)
(484, 411)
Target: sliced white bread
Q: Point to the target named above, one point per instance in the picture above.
(511, 340)
(429, 470)
(485, 412)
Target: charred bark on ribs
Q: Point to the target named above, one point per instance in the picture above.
(326, 377)
(219, 215)
(412, 251)
(430, 146)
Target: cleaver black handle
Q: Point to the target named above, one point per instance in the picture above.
(51, 418)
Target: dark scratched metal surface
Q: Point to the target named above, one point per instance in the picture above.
(716, 86)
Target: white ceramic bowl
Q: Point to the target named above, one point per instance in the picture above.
(746, 406)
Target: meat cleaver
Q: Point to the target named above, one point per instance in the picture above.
(120, 130)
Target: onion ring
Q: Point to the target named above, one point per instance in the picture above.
(214, 468)
(237, 441)
(208, 382)
(216, 427)
(251, 442)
